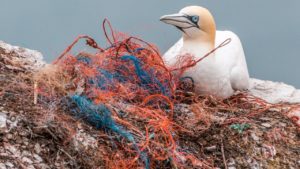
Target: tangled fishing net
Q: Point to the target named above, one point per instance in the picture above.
(124, 89)
(127, 91)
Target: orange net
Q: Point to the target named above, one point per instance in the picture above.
(127, 90)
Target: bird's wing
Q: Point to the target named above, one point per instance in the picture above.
(170, 56)
(233, 59)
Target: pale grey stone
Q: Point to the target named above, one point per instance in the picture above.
(2, 166)
(274, 92)
(3, 125)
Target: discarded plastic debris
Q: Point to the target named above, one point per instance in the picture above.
(240, 127)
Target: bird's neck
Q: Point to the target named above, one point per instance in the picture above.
(197, 46)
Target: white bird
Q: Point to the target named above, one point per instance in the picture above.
(221, 73)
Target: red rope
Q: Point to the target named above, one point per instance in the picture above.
(224, 43)
(89, 41)
(106, 21)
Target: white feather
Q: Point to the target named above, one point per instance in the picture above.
(219, 74)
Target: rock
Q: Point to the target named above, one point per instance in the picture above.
(218, 117)
(30, 167)
(38, 158)
(267, 125)
(9, 136)
(37, 148)
(26, 154)
(13, 122)
(85, 141)
(231, 163)
(27, 160)
(44, 166)
(282, 124)
(2, 166)
(3, 125)
(295, 115)
(253, 163)
(265, 119)
(211, 148)
(274, 92)
(254, 137)
(20, 58)
(9, 164)
(12, 149)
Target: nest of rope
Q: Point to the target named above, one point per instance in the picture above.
(127, 92)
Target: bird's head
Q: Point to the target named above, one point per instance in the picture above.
(195, 22)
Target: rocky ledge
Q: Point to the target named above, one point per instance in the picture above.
(271, 141)
(18, 58)
(274, 92)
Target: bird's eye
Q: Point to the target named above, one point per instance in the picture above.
(195, 19)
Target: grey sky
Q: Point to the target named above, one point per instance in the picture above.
(268, 29)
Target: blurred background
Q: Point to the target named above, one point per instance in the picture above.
(269, 29)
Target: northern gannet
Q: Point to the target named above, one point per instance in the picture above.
(221, 73)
